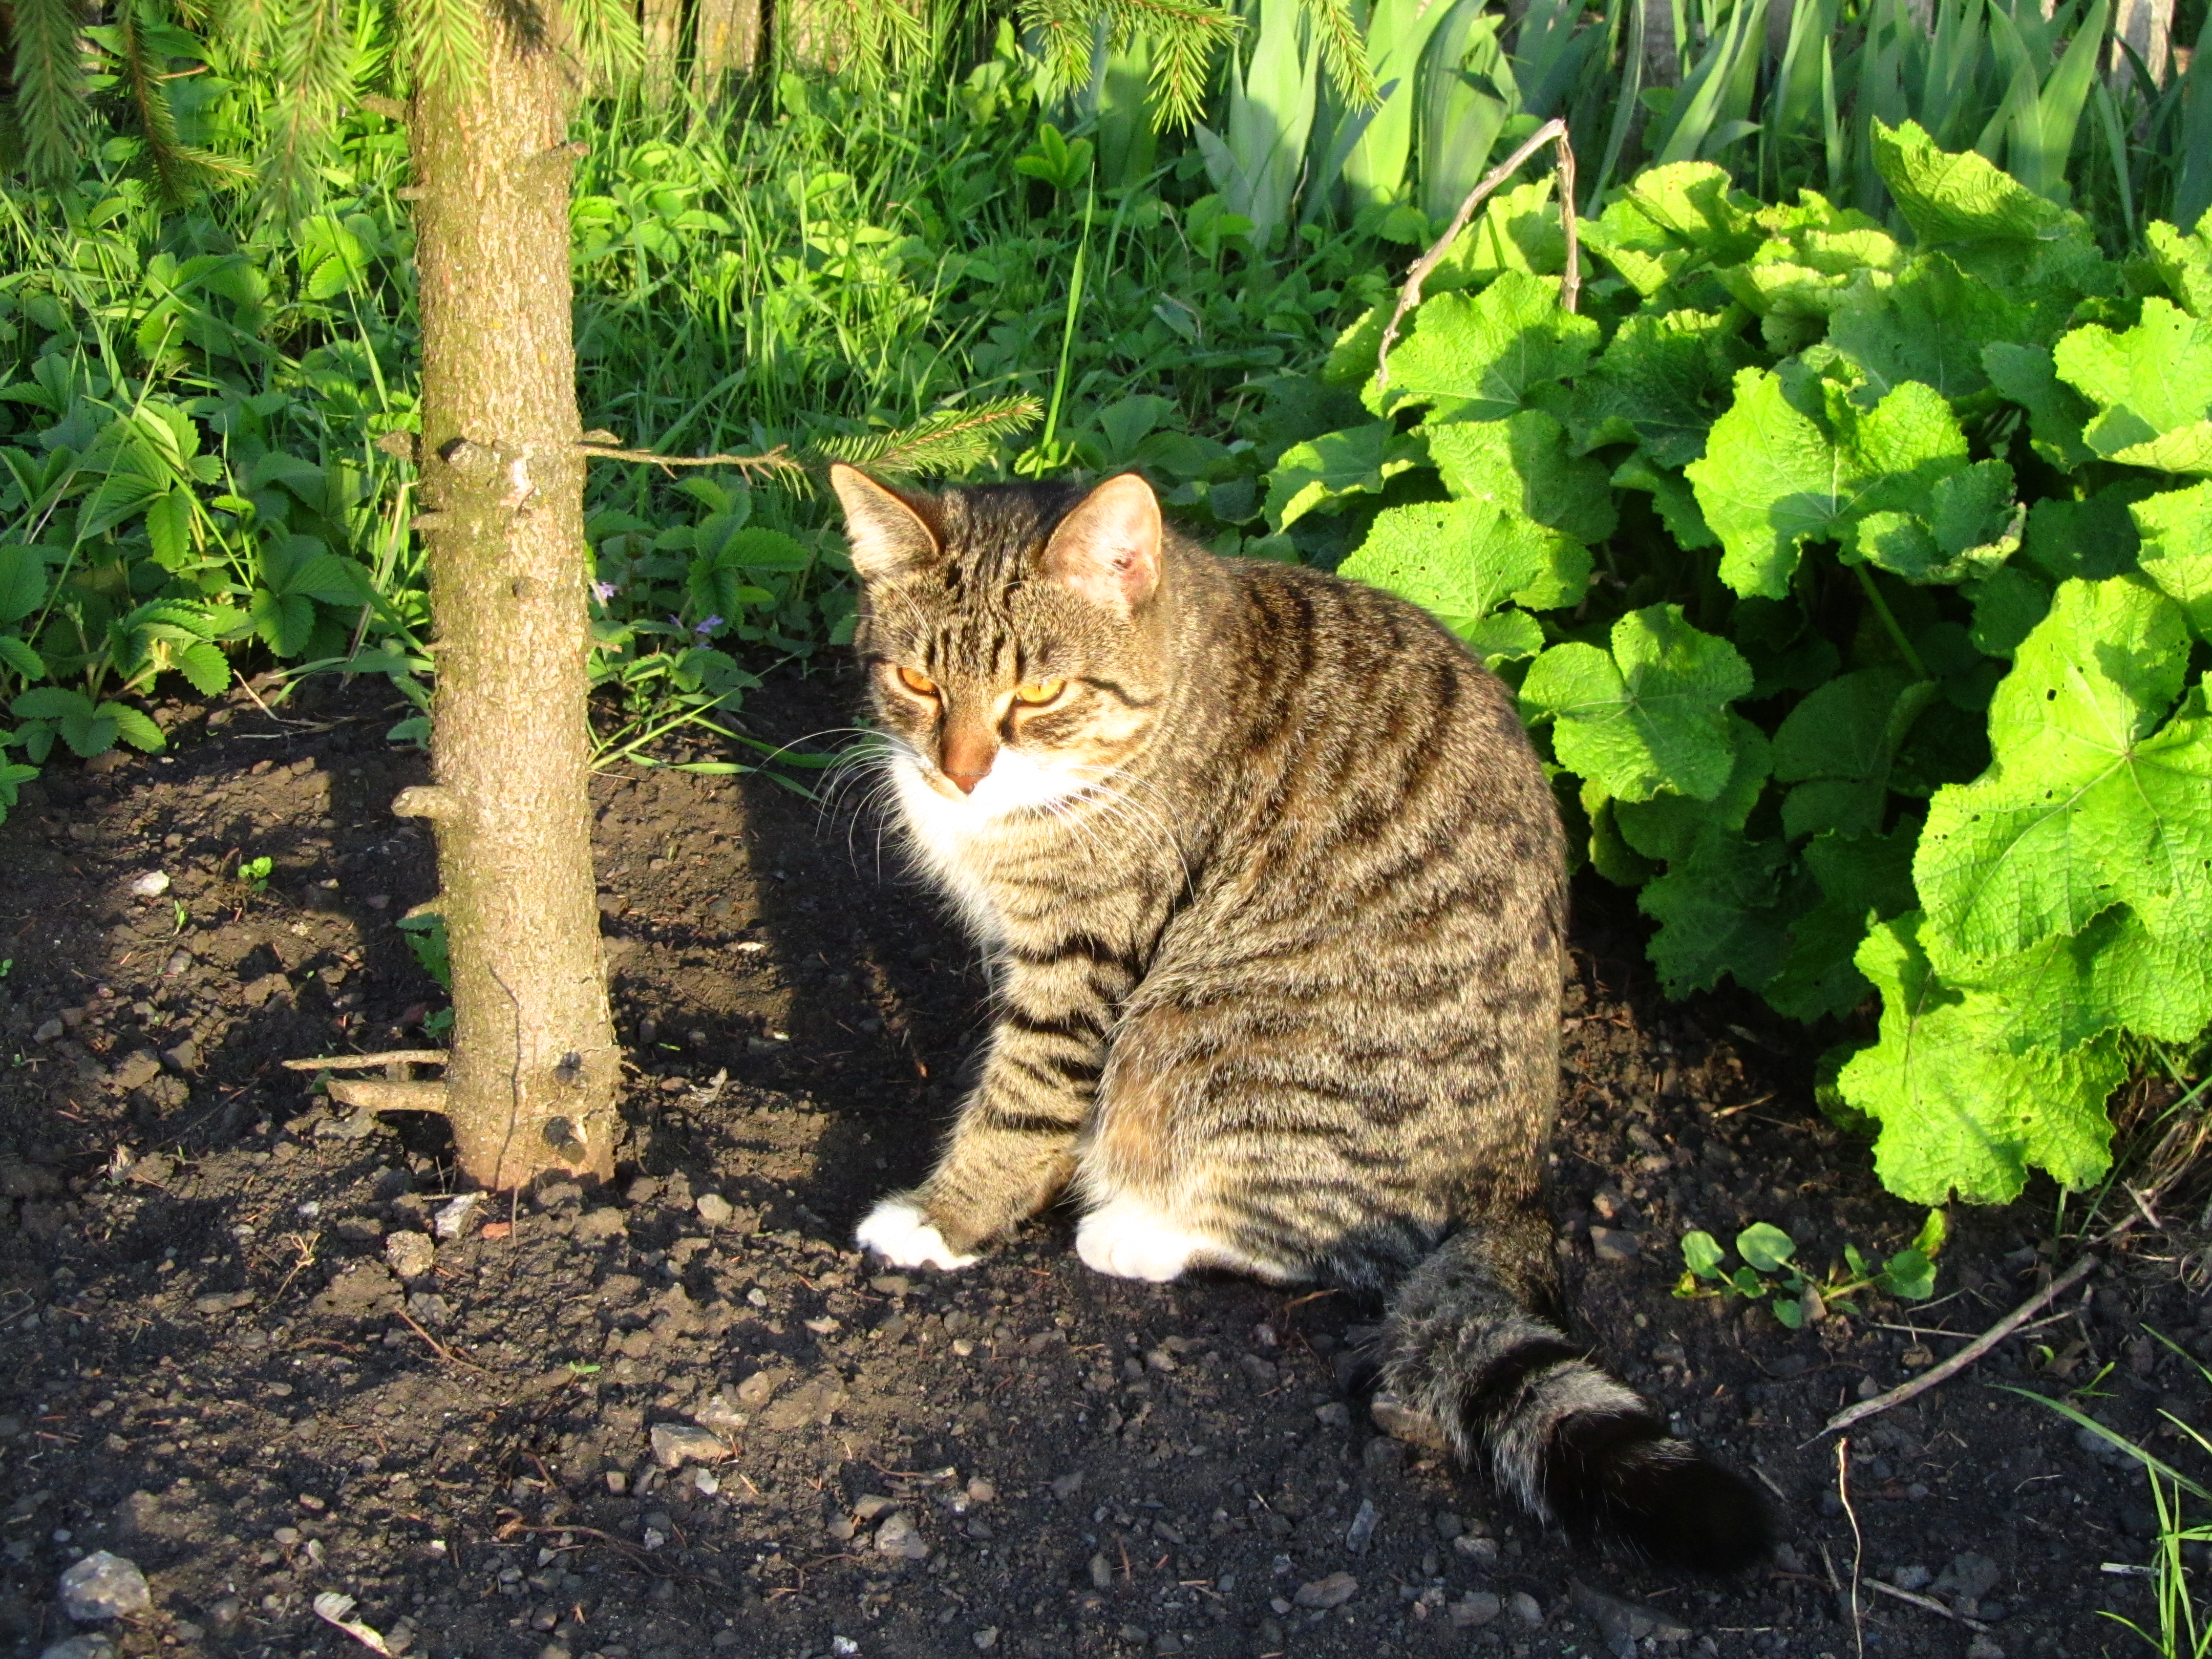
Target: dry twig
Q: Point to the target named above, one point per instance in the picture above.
(775, 461)
(1929, 1603)
(1553, 132)
(364, 1062)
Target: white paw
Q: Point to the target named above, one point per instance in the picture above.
(895, 1232)
(1131, 1240)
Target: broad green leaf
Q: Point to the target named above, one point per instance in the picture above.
(327, 577)
(1717, 914)
(2177, 549)
(26, 663)
(1862, 878)
(1650, 714)
(1933, 324)
(1909, 1275)
(765, 550)
(2114, 974)
(1671, 497)
(1518, 229)
(1994, 227)
(1773, 479)
(1521, 464)
(2089, 801)
(169, 529)
(2152, 386)
(1323, 471)
(1960, 1115)
(133, 726)
(1765, 1245)
(1671, 220)
(2184, 264)
(1662, 381)
(2055, 412)
(1502, 635)
(1815, 257)
(1788, 1312)
(2093, 538)
(1968, 527)
(50, 703)
(1849, 730)
(1667, 826)
(2008, 604)
(1463, 559)
(1480, 356)
(1702, 1255)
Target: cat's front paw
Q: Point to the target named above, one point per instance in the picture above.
(897, 1230)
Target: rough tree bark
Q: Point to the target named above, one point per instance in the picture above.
(530, 1082)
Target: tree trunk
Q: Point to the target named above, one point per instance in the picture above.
(725, 40)
(531, 1083)
(663, 22)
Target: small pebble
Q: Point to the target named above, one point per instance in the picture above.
(1526, 1608)
(102, 1586)
(1475, 1607)
(152, 885)
(1333, 1591)
(713, 1209)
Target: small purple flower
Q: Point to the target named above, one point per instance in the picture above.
(604, 591)
(708, 626)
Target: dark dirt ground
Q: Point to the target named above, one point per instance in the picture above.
(204, 1364)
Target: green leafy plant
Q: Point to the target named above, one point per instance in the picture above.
(426, 938)
(254, 873)
(1854, 588)
(1769, 1267)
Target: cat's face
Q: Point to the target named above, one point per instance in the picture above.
(1012, 637)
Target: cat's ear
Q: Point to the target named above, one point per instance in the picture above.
(885, 529)
(1108, 550)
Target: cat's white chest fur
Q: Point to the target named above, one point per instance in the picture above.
(956, 834)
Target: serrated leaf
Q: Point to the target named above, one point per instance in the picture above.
(26, 663)
(1324, 470)
(51, 703)
(1837, 746)
(2089, 801)
(1649, 715)
(1968, 527)
(1773, 479)
(1521, 464)
(1667, 826)
(2152, 387)
(22, 583)
(1996, 227)
(1959, 1115)
(1671, 220)
(283, 620)
(169, 529)
(1717, 914)
(2093, 537)
(327, 577)
(1676, 503)
(1480, 356)
(1463, 559)
(133, 726)
(2114, 974)
(205, 667)
(90, 732)
(1662, 381)
(2177, 549)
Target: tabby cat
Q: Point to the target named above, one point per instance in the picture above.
(1273, 890)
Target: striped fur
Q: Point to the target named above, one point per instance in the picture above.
(1273, 890)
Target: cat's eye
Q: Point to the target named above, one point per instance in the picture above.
(917, 682)
(1038, 691)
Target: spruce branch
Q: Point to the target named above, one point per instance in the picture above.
(1185, 34)
(50, 85)
(943, 441)
(442, 42)
(609, 39)
(1344, 50)
(315, 52)
(180, 171)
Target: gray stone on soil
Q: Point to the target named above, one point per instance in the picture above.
(898, 1536)
(601, 1224)
(1102, 1572)
(1333, 1591)
(754, 1392)
(1401, 1422)
(1526, 1608)
(720, 1416)
(1361, 1533)
(48, 1031)
(986, 1638)
(135, 1070)
(1614, 1244)
(92, 1645)
(872, 1504)
(152, 885)
(411, 1255)
(675, 1444)
(1448, 1525)
(221, 1302)
(1334, 1415)
(184, 1056)
(1969, 1576)
(1624, 1624)
(1473, 1608)
(453, 1216)
(1911, 1578)
(713, 1209)
(1481, 1553)
(103, 1586)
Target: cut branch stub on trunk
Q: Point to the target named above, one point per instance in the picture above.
(531, 1083)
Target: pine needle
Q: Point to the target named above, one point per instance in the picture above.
(442, 42)
(944, 440)
(50, 85)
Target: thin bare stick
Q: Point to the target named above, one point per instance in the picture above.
(1967, 1355)
(378, 1095)
(1858, 1542)
(438, 1347)
(1553, 132)
(368, 1062)
(1928, 1603)
(776, 459)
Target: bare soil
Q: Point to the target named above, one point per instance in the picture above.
(213, 1368)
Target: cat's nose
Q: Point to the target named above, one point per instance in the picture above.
(967, 780)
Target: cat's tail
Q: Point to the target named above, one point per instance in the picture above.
(1466, 1345)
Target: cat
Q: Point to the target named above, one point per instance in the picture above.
(1274, 889)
